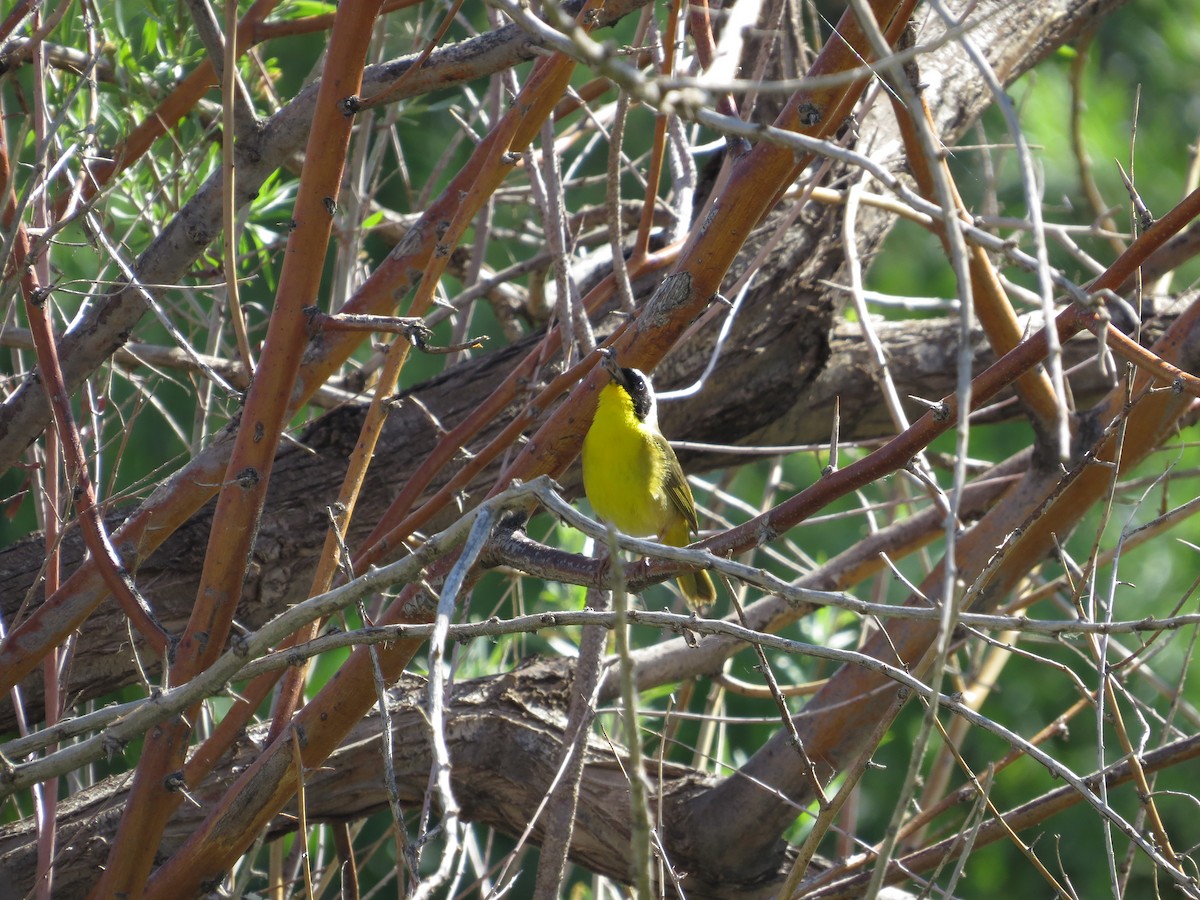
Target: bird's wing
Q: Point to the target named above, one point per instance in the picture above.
(676, 486)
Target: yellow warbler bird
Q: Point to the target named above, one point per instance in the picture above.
(631, 475)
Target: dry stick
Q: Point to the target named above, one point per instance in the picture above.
(290, 692)
(438, 686)
(616, 143)
(45, 796)
(345, 852)
(138, 355)
(129, 720)
(302, 821)
(639, 810)
(231, 727)
(966, 840)
(881, 371)
(706, 264)
(581, 710)
(830, 810)
(229, 99)
(545, 187)
(849, 575)
(1003, 103)
(566, 767)
(1086, 610)
(394, 90)
(384, 542)
(1107, 707)
(982, 681)
(983, 794)
(663, 619)
(1167, 726)
(240, 501)
(414, 329)
(404, 849)
(916, 826)
(1101, 211)
(122, 723)
(1110, 710)
(764, 667)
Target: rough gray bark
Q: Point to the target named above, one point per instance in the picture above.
(307, 478)
(503, 734)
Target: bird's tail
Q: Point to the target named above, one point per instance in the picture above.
(698, 588)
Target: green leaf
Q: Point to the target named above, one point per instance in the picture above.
(303, 9)
(150, 37)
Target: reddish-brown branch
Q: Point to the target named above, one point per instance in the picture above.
(240, 501)
(37, 301)
(344, 700)
(658, 147)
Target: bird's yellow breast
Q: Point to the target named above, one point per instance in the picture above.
(622, 474)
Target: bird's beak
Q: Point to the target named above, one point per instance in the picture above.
(610, 363)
